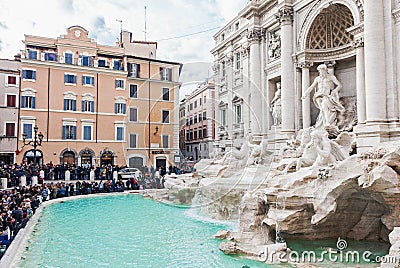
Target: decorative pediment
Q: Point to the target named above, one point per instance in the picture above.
(78, 32)
(222, 104)
(237, 100)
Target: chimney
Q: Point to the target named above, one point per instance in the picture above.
(17, 57)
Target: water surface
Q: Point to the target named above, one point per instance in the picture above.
(124, 231)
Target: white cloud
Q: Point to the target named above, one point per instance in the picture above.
(230, 8)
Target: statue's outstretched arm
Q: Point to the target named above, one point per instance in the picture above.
(313, 85)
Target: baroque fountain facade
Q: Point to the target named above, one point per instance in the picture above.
(313, 152)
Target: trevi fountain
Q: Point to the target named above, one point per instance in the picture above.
(316, 187)
(314, 153)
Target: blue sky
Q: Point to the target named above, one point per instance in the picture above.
(166, 19)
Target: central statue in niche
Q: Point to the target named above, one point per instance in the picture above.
(326, 98)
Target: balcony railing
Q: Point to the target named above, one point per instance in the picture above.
(8, 143)
(76, 61)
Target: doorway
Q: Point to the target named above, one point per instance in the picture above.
(68, 158)
(107, 158)
(161, 162)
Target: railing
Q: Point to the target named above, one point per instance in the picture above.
(76, 61)
(8, 143)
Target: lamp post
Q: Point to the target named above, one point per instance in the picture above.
(35, 142)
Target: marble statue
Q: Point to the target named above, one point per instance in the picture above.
(217, 154)
(295, 145)
(276, 107)
(317, 150)
(323, 148)
(258, 153)
(274, 46)
(326, 97)
(234, 155)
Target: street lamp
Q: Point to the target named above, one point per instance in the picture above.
(37, 141)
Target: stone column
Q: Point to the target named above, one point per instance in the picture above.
(230, 114)
(23, 181)
(3, 183)
(215, 68)
(396, 16)
(375, 63)
(285, 16)
(254, 37)
(305, 83)
(360, 79)
(246, 112)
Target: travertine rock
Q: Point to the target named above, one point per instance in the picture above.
(357, 199)
(393, 258)
(224, 234)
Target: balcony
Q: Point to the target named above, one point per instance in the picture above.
(8, 143)
(91, 61)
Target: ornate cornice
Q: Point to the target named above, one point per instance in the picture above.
(325, 55)
(396, 15)
(305, 64)
(358, 42)
(285, 15)
(254, 35)
(356, 30)
(360, 6)
(273, 68)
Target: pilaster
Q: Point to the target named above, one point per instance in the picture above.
(254, 37)
(285, 17)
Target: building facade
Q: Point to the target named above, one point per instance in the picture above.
(198, 122)
(267, 57)
(98, 104)
(9, 92)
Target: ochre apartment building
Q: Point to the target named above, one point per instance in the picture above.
(97, 104)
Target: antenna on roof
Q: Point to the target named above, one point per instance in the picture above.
(120, 34)
(145, 23)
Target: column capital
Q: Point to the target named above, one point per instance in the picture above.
(396, 15)
(254, 35)
(245, 49)
(305, 64)
(285, 15)
(330, 64)
(358, 42)
(229, 59)
(215, 68)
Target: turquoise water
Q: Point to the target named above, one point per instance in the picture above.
(129, 231)
(342, 258)
(124, 231)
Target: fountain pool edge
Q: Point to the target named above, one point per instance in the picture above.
(12, 256)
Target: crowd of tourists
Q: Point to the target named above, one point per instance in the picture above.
(18, 202)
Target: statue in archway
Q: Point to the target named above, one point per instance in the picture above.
(326, 98)
(275, 106)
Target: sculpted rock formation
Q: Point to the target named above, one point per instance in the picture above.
(226, 164)
(178, 189)
(357, 199)
(393, 258)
